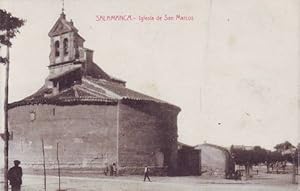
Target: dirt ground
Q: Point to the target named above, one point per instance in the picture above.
(261, 182)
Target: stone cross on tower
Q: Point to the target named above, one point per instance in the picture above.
(63, 6)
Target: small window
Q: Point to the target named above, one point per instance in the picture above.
(66, 51)
(56, 44)
(32, 116)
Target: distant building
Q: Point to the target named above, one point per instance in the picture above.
(243, 147)
(95, 119)
(215, 160)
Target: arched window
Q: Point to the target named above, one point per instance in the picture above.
(66, 51)
(56, 46)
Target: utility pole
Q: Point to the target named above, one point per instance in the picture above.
(295, 156)
(10, 25)
(58, 166)
(44, 165)
(6, 134)
(294, 169)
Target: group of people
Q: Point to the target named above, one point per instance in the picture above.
(111, 170)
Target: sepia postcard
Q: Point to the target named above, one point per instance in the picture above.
(149, 95)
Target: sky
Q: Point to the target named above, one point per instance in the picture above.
(233, 69)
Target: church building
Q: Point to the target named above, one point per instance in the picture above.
(89, 118)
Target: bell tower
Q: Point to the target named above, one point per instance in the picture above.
(65, 43)
(69, 60)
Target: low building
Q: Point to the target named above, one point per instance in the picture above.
(215, 160)
(189, 160)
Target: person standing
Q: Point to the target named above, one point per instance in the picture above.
(106, 169)
(114, 169)
(111, 170)
(146, 173)
(15, 176)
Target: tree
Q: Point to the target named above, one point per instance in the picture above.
(273, 158)
(248, 157)
(284, 146)
(242, 157)
(259, 155)
(291, 154)
(9, 26)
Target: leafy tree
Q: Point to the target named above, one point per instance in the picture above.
(9, 27)
(242, 157)
(273, 158)
(259, 155)
(255, 156)
(284, 146)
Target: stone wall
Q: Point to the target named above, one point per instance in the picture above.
(147, 136)
(189, 162)
(86, 135)
(214, 160)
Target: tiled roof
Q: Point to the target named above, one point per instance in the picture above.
(122, 91)
(89, 91)
(62, 26)
(214, 146)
